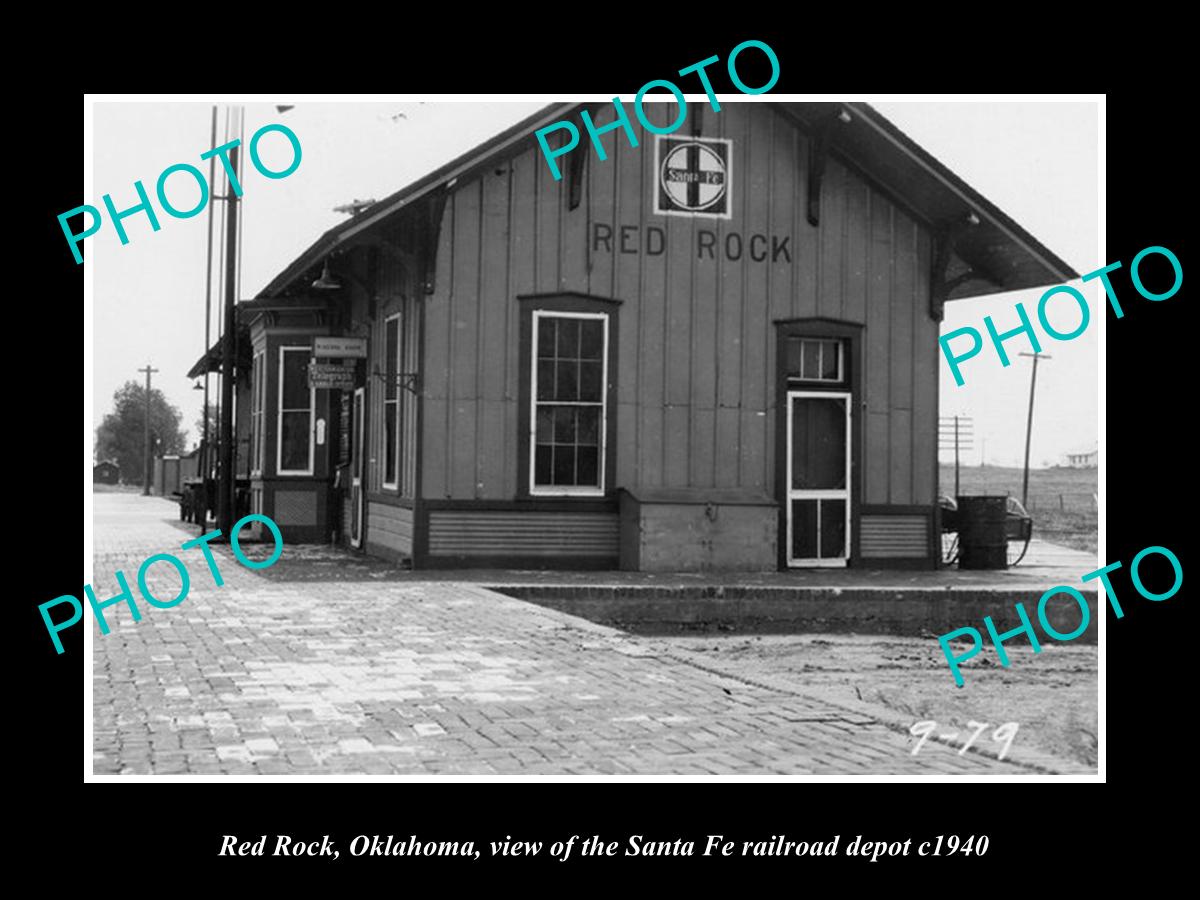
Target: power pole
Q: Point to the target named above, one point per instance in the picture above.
(206, 439)
(957, 437)
(146, 431)
(956, 490)
(227, 480)
(1029, 424)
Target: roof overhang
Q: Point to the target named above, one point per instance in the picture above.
(509, 142)
(991, 252)
(984, 238)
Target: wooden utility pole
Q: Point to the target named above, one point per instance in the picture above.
(146, 431)
(227, 480)
(962, 437)
(206, 439)
(956, 490)
(1029, 424)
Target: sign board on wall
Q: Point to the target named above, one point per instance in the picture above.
(345, 347)
(331, 376)
(693, 177)
(344, 430)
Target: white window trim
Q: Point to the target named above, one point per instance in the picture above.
(258, 417)
(843, 494)
(567, 490)
(393, 485)
(312, 411)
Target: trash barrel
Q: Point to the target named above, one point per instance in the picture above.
(982, 537)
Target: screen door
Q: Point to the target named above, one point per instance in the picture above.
(818, 495)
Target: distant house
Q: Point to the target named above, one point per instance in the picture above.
(1082, 459)
(106, 473)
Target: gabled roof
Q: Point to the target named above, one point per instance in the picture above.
(511, 140)
(1012, 257)
(995, 245)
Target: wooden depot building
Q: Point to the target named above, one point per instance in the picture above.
(714, 351)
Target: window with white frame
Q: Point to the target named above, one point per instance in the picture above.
(258, 396)
(296, 402)
(816, 359)
(391, 402)
(568, 403)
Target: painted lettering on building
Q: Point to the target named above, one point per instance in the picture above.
(652, 241)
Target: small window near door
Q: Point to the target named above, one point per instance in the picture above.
(296, 402)
(391, 403)
(816, 360)
(258, 396)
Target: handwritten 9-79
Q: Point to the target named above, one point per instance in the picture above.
(925, 728)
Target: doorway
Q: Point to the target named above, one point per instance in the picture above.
(357, 495)
(818, 478)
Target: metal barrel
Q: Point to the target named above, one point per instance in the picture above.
(982, 537)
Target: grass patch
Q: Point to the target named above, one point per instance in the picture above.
(1062, 501)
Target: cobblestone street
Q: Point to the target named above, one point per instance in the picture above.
(355, 673)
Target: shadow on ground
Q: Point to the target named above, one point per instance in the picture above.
(313, 562)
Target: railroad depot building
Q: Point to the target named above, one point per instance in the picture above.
(716, 350)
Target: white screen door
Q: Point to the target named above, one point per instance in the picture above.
(818, 478)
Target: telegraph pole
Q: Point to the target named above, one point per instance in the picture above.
(1029, 424)
(206, 439)
(227, 481)
(146, 431)
(956, 490)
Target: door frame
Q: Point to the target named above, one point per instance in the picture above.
(853, 383)
(842, 494)
(358, 494)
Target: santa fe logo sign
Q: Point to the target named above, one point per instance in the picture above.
(693, 177)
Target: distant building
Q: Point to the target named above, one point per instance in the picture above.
(171, 471)
(1082, 459)
(106, 473)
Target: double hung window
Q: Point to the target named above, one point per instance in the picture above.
(569, 403)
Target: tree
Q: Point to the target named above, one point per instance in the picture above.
(214, 426)
(121, 435)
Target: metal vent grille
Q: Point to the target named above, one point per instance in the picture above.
(491, 533)
(894, 537)
(295, 508)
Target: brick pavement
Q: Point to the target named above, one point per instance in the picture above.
(271, 675)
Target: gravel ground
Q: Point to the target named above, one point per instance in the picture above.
(1052, 695)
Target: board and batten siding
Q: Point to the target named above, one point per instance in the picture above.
(695, 378)
(390, 533)
(388, 526)
(399, 292)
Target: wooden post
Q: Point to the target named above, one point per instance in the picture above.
(205, 468)
(956, 491)
(146, 434)
(227, 481)
(1029, 425)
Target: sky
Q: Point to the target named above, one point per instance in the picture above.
(1038, 162)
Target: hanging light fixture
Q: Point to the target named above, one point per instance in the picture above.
(326, 282)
